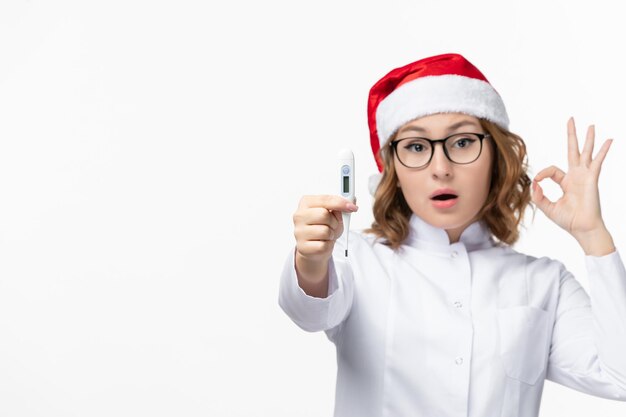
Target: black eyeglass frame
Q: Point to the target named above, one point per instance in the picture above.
(394, 145)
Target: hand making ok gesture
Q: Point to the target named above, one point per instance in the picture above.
(578, 209)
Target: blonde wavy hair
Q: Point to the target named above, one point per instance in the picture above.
(504, 208)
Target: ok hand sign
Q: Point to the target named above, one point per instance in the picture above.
(578, 209)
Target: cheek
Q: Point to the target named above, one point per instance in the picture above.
(482, 182)
(401, 176)
(411, 183)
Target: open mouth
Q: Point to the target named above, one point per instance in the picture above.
(444, 197)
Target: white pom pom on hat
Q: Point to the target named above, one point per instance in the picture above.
(438, 84)
(373, 182)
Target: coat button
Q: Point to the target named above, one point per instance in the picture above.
(458, 304)
(458, 360)
(454, 254)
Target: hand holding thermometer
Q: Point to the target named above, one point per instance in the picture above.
(346, 189)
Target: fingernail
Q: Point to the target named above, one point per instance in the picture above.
(351, 207)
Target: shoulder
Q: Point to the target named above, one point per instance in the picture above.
(539, 265)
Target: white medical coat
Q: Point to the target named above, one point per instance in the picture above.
(465, 329)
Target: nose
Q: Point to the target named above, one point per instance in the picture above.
(440, 165)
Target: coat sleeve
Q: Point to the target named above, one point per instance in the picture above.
(588, 347)
(312, 313)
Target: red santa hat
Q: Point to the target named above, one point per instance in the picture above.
(444, 83)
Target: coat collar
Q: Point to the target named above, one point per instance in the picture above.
(425, 236)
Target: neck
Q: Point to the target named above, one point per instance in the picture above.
(454, 234)
(474, 235)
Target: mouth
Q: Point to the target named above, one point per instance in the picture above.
(444, 199)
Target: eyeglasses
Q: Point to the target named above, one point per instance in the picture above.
(460, 148)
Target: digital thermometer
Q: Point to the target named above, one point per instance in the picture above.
(345, 164)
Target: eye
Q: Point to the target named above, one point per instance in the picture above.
(416, 146)
(463, 142)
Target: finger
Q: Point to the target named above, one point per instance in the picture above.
(585, 155)
(573, 156)
(318, 215)
(306, 234)
(315, 247)
(339, 219)
(541, 200)
(329, 202)
(599, 159)
(303, 221)
(552, 172)
(317, 232)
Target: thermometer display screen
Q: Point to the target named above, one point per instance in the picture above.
(346, 185)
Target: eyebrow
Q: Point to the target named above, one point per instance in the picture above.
(450, 128)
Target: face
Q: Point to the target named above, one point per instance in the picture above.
(469, 182)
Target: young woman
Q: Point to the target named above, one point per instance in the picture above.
(434, 313)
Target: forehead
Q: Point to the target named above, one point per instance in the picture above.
(441, 122)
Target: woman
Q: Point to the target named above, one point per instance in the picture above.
(434, 314)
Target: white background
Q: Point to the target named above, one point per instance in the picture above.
(152, 154)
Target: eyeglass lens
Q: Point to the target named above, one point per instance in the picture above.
(462, 149)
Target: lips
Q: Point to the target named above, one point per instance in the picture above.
(444, 198)
(444, 194)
